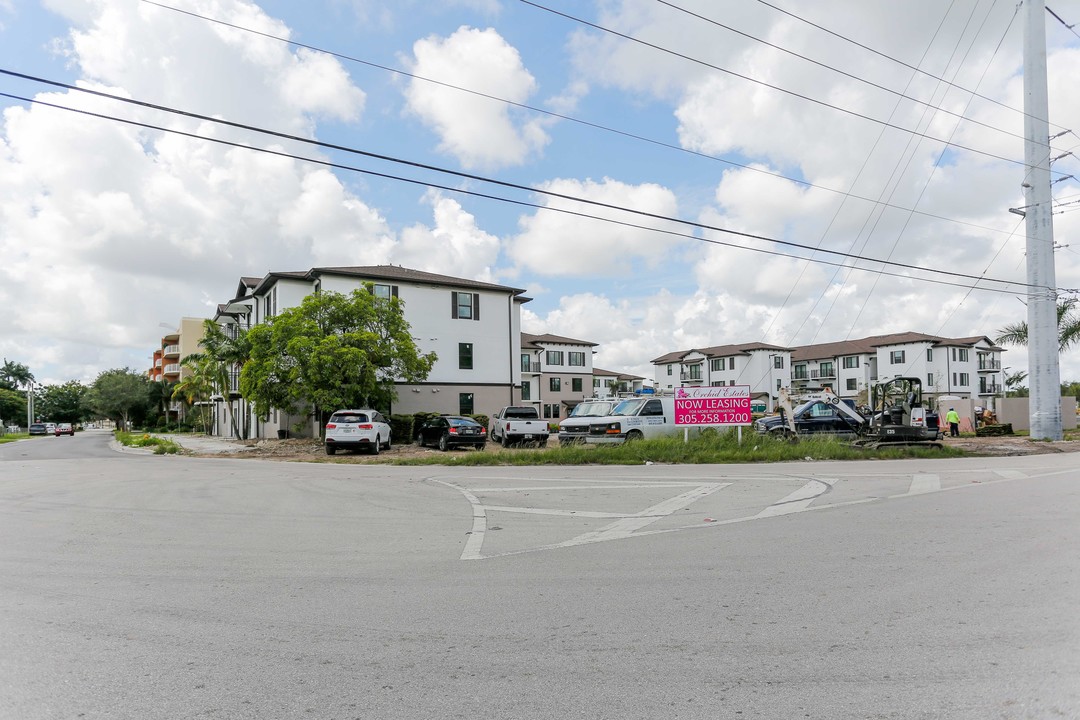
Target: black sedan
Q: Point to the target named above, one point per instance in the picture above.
(449, 431)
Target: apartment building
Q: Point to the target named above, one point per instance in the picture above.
(556, 373)
(473, 327)
(167, 358)
(765, 368)
(609, 382)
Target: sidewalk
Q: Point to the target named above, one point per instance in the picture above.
(205, 444)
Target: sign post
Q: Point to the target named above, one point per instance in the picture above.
(714, 406)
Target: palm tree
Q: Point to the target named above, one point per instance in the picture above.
(14, 375)
(1068, 322)
(198, 386)
(222, 356)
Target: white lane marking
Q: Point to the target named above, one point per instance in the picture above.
(924, 483)
(476, 536)
(800, 499)
(629, 525)
(568, 513)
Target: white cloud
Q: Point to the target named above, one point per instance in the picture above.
(453, 246)
(480, 132)
(555, 243)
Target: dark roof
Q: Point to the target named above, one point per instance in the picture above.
(548, 338)
(396, 272)
(717, 351)
(621, 376)
(869, 345)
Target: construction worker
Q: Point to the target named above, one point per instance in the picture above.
(953, 418)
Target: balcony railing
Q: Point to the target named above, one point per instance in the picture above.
(800, 376)
(989, 365)
(691, 377)
(234, 382)
(530, 367)
(828, 373)
(172, 350)
(993, 389)
(172, 369)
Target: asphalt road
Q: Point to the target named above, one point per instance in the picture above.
(135, 586)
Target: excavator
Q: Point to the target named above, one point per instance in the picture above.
(896, 417)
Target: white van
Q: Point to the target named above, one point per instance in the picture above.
(633, 419)
(575, 428)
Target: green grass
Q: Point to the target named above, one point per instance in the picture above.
(161, 446)
(719, 448)
(12, 437)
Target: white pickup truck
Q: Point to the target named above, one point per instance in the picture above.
(517, 423)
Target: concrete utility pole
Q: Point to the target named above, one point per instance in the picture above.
(1044, 373)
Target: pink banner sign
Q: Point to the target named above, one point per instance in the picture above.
(728, 405)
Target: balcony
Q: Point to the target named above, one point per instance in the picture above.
(172, 369)
(530, 367)
(801, 376)
(989, 365)
(172, 350)
(690, 377)
(991, 389)
(826, 373)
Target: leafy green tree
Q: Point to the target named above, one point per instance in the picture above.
(62, 403)
(330, 352)
(15, 375)
(221, 356)
(198, 387)
(119, 394)
(1014, 384)
(1068, 323)
(12, 407)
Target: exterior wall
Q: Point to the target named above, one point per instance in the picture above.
(442, 398)
(1017, 412)
(914, 364)
(666, 376)
(566, 374)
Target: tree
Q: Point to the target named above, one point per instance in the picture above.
(62, 403)
(222, 354)
(332, 351)
(1013, 386)
(15, 375)
(1068, 323)
(12, 407)
(197, 387)
(119, 394)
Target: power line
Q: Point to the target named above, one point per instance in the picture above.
(893, 59)
(570, 118)
(536, 206)
(1058, 18)
(777, 88)
(846, 74)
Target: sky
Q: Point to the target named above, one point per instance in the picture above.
(878, 131)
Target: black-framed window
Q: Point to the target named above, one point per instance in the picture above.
(465, 403)
(778, 361)
(963, 355)
(575, 384)
(465, 305)
(896, 357)
(851, 361)
(668, 369)
(383, 291)
(929, 354)
(526, 390)
(695, 372)
(555, 384)
(930, 379)
(826, 369)
(465, 356)
(852, 384)
(716, 364)
(526, 362)
(554, 357)
(577, 359)
(965, 380)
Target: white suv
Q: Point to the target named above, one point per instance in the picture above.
(355, 429)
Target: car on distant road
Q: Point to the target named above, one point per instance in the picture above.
(65, 429)
(38, 429)
(50, 428)
(356, 430)
(449, 431)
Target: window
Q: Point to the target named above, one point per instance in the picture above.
(596, 382)
(930, 380)
(668, 369)
(526, 362)
(577, 359)
(717, 383)
(717, 364)
(851, 361)
(826, 369)
(778, 381)
(777, 361)
(652, 408)
(383, 291)
(555, 384)
(554, 357)
(852, 384)
(963, 354)
(464, 356)
(465, 306)
(465, 403)
(964, 380)
(929, 354)
(954, 379)
(896, 357)
(695, 372)
(551, 411)
(526, 390)
(575, 384)
(800, 372)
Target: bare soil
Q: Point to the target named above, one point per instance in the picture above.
(308, 450)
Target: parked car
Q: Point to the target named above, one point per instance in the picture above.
(38, 429)
(515, 423)
(575, 427)
(357, 429)
(50, 428)
(450, 431)
(65, 429)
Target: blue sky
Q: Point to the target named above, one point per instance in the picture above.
(133, 228)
